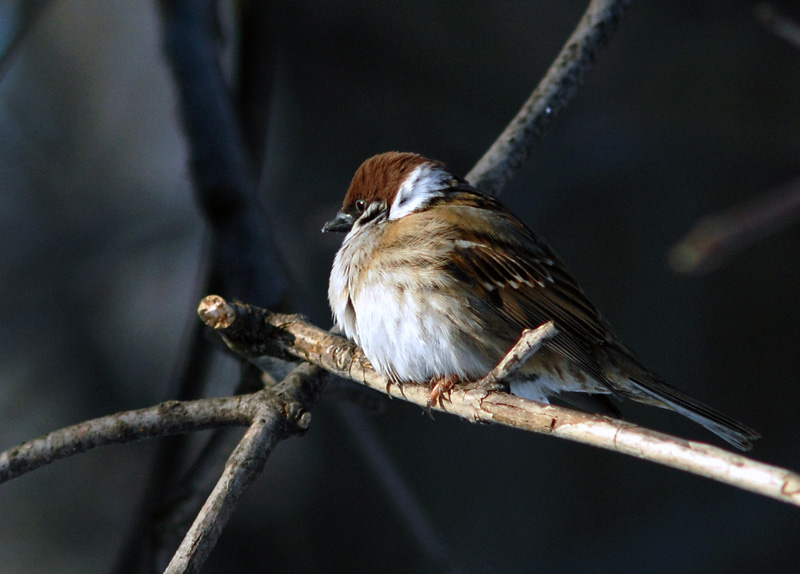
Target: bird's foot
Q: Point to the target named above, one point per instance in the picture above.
(439, 388)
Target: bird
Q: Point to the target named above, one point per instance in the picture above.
(436, 281)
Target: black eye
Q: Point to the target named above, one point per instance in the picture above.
(361, 205)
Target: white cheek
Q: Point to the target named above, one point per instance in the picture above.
(422, 185)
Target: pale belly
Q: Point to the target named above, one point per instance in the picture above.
(416, 340)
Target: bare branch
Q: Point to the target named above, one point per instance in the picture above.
(341, 357)
(165, 419)
(291, 399)
(242, 468)
(299, 389)
(507, 154)
(273, 415)
(716, 237)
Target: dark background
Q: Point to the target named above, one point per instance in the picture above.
(693, 108)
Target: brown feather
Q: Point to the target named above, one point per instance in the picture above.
(522, 273)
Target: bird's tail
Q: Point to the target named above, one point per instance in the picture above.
(643, 386)
(731, 430)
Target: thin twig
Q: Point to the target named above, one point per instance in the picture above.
(341, 357)
(242, 468)
(507, 154)
(716, 237)
(529, 343)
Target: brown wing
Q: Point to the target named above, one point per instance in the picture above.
(516, 282)
(523, 279)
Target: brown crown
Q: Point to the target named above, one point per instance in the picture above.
(380, 176)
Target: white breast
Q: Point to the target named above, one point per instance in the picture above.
(401, 315)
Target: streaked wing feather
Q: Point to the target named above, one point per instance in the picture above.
(532, 284)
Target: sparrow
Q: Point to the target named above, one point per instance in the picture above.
(436, 281)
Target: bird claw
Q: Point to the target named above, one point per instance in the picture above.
(439, 388)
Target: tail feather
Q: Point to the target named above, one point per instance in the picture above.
(630, 379)
(730, 430)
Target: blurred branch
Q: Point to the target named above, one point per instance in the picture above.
(250, 331)
(241, 255)
(505, 158)
(256, 74)
(244, 260)
(396, 489)
(778, 24)
(716, 237)
(19, 19)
